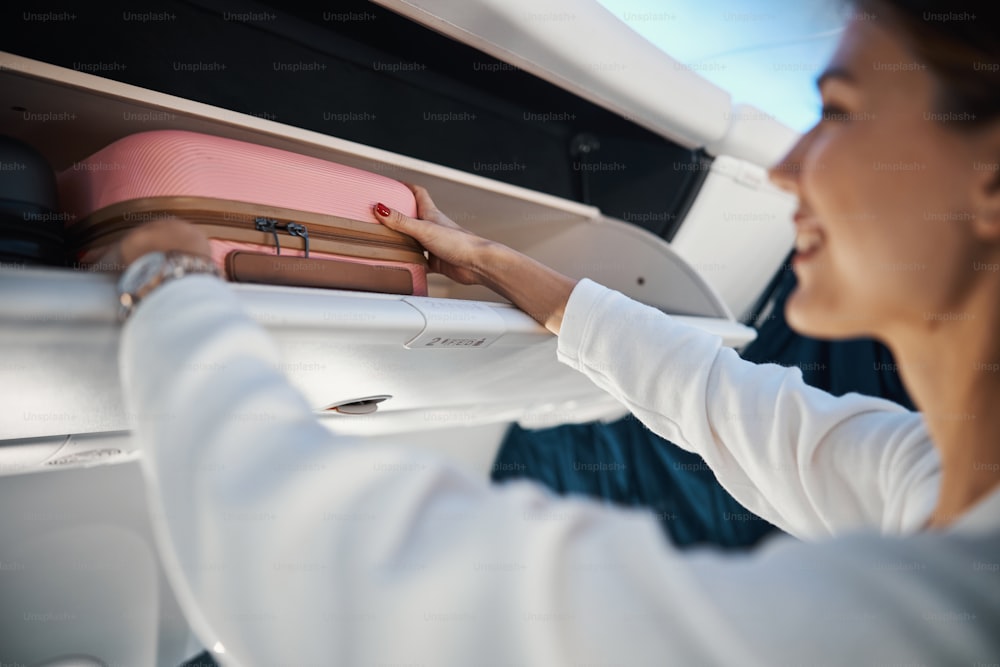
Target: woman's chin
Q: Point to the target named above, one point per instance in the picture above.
(810, 316)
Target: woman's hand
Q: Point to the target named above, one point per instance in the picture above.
(466, 258)
(454, 251)
(157, 236)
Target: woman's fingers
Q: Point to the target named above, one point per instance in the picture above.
(159, 235)
(424, 202)
(427, 210)
(393, 219)
(431, 235)
(163, 235)
(453, 251)
(440, 236)
(425, 205)
(111, 258)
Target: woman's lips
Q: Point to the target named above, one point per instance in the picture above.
(809, 239)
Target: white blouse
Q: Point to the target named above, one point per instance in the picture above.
(290, 545)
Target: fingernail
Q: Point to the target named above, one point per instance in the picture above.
(382, 210)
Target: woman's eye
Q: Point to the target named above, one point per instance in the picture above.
(832, 113)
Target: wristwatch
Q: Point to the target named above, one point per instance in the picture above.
(154, 269)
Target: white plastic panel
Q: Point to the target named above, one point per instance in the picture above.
(78, 550)
(473, 447)
(754, 136)
(582, 47)
(337, 347)
(738, 232)
(621, 256)
(64, 451)
(81, 572)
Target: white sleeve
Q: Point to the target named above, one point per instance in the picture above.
(290, 545)
(809, 462)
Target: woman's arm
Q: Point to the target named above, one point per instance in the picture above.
(538, 290)
(805, 460)
(811, 463)
(290, 545)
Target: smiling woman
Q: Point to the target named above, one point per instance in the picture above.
(896, 212)
(903, 509)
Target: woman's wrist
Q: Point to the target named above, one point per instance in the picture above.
(494, 262)
(538, 290)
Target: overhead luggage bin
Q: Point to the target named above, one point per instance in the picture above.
(427, 367)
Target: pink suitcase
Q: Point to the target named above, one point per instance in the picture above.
(272, 216)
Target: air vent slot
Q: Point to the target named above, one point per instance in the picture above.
(358, 406)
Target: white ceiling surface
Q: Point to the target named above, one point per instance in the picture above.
(727, 75)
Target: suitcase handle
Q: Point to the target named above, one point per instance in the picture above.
(293, 228)
(329, 273)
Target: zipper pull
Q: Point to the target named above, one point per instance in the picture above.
(296, 229)
(268, 225)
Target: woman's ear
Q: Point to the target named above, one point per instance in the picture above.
(986, 182)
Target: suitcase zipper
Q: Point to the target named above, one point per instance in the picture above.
(273, 226)
(267, 225)
(293, 228)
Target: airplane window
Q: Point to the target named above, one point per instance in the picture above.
(766, 53)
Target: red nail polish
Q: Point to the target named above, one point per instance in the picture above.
(382, 209)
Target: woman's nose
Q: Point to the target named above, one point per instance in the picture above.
(785, 173)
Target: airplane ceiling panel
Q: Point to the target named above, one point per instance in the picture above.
(582, 47)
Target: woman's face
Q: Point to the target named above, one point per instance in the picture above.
(885, 187)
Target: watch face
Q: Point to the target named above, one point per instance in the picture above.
(141, 272)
